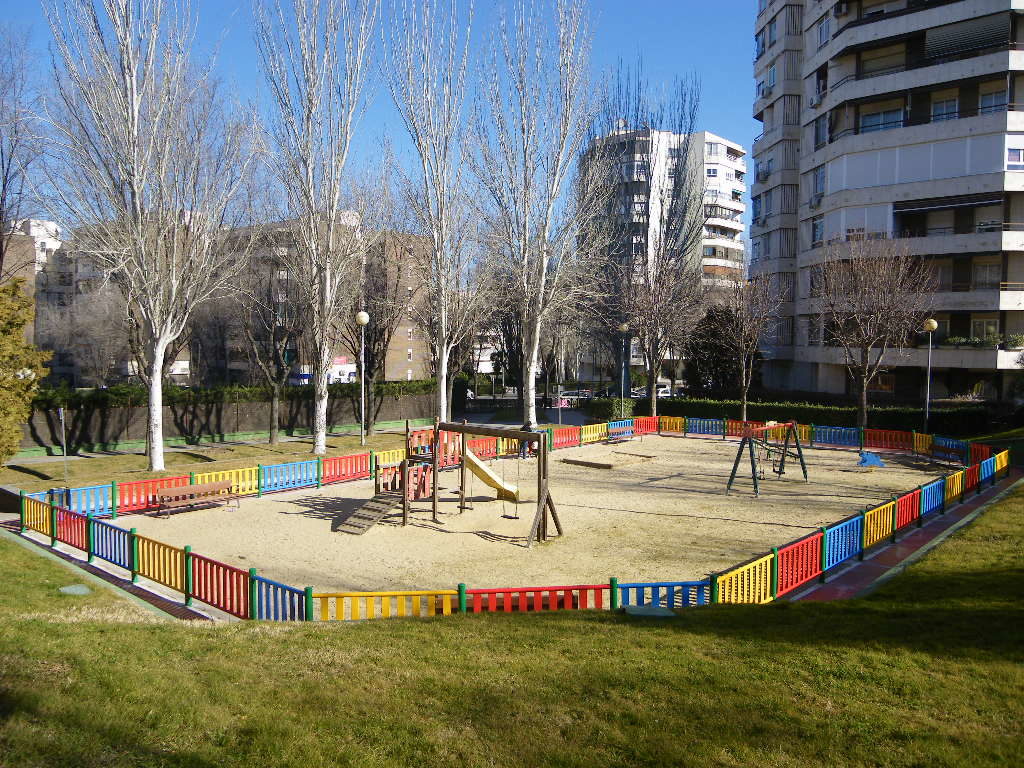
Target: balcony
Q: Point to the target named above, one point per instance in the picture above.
(976, 358)
(907, 122)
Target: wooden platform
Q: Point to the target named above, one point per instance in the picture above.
(371, 513)
(616, 460)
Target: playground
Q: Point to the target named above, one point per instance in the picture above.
(666, 517)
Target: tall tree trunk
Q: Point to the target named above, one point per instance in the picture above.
(652, 381)
(319, 410)
(862, 409)
(443, 353)
(530, 373)
(155, 429)
(275, 412)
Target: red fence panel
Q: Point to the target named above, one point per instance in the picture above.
(798, 563)
(390, 478)
(971, 477)
(567, 437)
(140, 495)
(71, 529)
(523, 599)
(484, 447)
(889, 438)
(980, 452)
(420, 482)
(340, 469)
(908, 508)
(222, 586)
(645, 425)
(736, 428)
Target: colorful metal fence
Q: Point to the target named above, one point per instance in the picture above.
(748, 583)
(845, 436)
(949, 449)
(390, 458)
(222, 586)
(593, 433)
(645, 425)
(342, 469)
(620, 430)
(244, 481)
(705, 426)
(666, 594)
(278, 602)
(72, 529)
(283, 477)
(933, 496)
(797, 563)
(672, 424)
(112, 544)
(889, 438)
(565, 437)
(908, 508)
(484, 447)
(878, 523)
(159, 562)
(954, 487)
(92, 500)
(842, 541)
(522, 599)
(352, 606)
(140, 495)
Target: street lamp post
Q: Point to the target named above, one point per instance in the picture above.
(362, 318)
(928, 326)
(623, 329)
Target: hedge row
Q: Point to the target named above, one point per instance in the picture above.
(130, 395)
(962, 420)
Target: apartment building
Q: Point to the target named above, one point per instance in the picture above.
(725, 188)
(894, 119)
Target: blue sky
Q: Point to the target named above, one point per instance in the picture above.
(674, 37)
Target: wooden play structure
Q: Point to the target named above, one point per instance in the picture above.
(445, 446)
(770, 442)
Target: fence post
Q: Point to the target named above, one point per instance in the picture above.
(860, 433)
(133, 544)
(913, 441)
(21, 509)
(824, 553)
(685, 425)
(945, 486)
(319, 472)
(713, 578)
(53, 525)
(775, 572)
(613, 587)
(188, 575)
(88, 539)
(113, 500)
(372, 460)
(462, 598)
(895, 518)
(863, 534)
(254, 612)
(920, 506)
(191, 478)
(308, 600)
(259, 481)
(811, 441)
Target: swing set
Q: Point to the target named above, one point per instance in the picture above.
(770, 443)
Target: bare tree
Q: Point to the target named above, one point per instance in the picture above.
(426, 73)
(271, 322)
(389, 287)
(873, 295)
(20, 144)
(532, 121)
(147, 168)
(315, 58)
(749, 312)
(659, 214)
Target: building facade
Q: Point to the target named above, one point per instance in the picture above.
(894, 120)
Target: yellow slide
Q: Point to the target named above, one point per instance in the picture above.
(481, 470)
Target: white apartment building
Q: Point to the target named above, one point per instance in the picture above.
(894, 119)
(725, 187)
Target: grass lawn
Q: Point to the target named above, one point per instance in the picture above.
(208, 457)
(925, 672)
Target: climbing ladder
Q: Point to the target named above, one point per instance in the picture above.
(371, 513)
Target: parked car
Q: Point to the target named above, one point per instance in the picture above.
(577, 394)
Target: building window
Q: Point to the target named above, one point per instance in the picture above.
(758, 45)
(714, 149)
(408, 374)
(766, 201)
(820, 131)
(945, 109)
(814, 330)
(881, 121)
(755, 250)
(712, 172)
(1015, 159)
(884, 383)
(771, 75)
(987, 275)
(410, 332)
(982, 328)
(772, 31)
(823, 30)
(759, 89)
(755, 207)
(709, 251)
(408, 354)
(992, 102)
(818, 181)
(817, 232)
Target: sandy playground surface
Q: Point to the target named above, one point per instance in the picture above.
(667, 519)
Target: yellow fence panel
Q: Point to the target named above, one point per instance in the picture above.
(593, 433)
(508, 446)
(955, 486)
(878, 523)
(750, 583)
(353, 606)
(37, 516)
(672, 424)
(1002, 460)
(161, 563)
(803, 431)
(243, 481)
(922, 443)
(390, 458)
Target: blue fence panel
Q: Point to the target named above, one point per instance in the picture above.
(668, 594)
(279, 602)
(705, 426)
(623, 428)
(281, 477)
(932, 496)
(112, 544)
(842, 541)
(91, 500)
(43, 496)
(987, 469)
(836, 436)
(950, 449)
